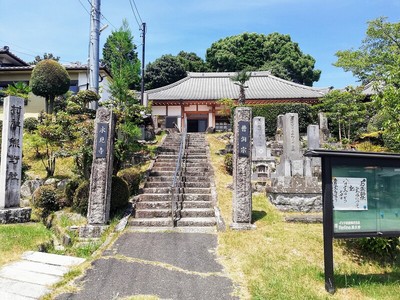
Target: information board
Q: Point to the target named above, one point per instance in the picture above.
(365, 198)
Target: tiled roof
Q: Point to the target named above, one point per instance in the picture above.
(214, 86)
(6, 51)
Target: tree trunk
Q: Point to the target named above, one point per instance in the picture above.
(242, 96)
(51, 104)
(47, 104)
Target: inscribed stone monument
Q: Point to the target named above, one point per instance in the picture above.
(11, 162)
(242, 196)
(100, 180)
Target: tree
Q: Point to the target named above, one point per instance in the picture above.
(240, 79)
(49, 79)
(378, 54)
(346, 111)
(191, 62)
(163, 71)
(275, 52)
(121, 58)
(38, 58)
(377, 61)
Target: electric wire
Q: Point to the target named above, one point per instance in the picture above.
(134, 14)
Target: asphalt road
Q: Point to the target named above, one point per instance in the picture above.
(169, 265)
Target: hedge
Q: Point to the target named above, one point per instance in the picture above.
(271, 112)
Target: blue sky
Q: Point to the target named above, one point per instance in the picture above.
(320, 27)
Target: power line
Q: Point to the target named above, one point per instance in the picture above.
(84, 7)
(134, 14)
(141, 21)
(104, 17)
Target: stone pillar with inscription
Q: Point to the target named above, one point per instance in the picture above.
(11, 163)
(100, 179)
(242, 194)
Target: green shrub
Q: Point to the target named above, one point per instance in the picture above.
(377, 247)
(132, 177)
(70, 190)
(45, 200)
(81, 198)
(271, 112)
(119, 194)
(31, 124)
(228, 162)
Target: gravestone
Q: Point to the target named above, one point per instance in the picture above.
(11, 162)
(313, 137)
(100, 179)
(259, 143)
(313, 142)
(323, 127)
(262, 161)
(279, 129)
(293, 186)
(242, 196)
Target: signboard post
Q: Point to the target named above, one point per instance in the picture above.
(361, 198)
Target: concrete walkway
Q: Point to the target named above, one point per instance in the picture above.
(31, 277)
(168, 265)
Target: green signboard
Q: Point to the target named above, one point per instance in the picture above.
(361, 198)
(365, 198)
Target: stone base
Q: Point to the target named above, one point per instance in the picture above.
(243, 226)
(296, 202)
(92, 231)
(15, 215)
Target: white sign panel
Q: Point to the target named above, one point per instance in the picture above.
(349, 193)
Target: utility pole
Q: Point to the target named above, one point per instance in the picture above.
(94, 50)
(143, 58)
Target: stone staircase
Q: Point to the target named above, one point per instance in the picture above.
(153, 207)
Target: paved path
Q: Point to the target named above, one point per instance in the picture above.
(169, 265)
(31, 277)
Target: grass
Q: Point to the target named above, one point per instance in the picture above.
(282, 260)
(18, 238)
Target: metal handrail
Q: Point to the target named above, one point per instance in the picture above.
(177, 178)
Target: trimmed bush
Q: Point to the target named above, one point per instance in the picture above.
(45, 200)
(31, 124)
(228, 162)
(119, 194)
(81, 198)
(271, 112)
(132, 177)
(70, 190)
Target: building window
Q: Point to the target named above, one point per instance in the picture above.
(74, 86)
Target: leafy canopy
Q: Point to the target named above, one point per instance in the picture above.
(377, 61)
(275, 52)
(46, 55)
(163, 71)
(121, 58)
(49, 79)
(378, 54)
(169, 68)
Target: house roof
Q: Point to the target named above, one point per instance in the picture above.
(9, 59)
(213, 86)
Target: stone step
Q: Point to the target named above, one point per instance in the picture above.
(166, 213)
(182, 190)
(197, 222)
(151, 222)
(161, 184)
(167, 197)
(160, 179)
(190, 169)
(167, 204)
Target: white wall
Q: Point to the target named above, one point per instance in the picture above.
(158, 110)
